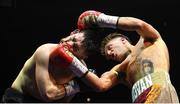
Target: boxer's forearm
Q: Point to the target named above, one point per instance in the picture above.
(101, 84)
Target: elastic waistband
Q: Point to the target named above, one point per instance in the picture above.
(147, 81)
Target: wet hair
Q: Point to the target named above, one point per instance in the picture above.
(92, 41)
(110, 37)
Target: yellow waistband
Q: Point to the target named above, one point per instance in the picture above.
(147, 81)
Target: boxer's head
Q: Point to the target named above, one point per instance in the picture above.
(115, 46)
(83, 43)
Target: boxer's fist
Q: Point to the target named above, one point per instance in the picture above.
(94, 19)
(72, 87)
(62, 57)
(88, 19)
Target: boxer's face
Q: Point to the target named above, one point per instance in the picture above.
(115, 49)
(75, 40)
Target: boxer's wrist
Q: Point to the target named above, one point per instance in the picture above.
(71, 88)
(116, 73)
(83, 76)
(107, 21)
(77, 67)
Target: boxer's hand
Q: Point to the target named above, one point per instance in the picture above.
(72, 87)
(94, 19)
(65, 59)
(88, 19)
(83, 86)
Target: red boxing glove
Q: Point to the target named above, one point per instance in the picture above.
(62, 57)
(87, 18)
(94, 19)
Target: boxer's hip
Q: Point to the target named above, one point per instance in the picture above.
(151, 88)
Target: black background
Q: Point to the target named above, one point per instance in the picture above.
(26, 24)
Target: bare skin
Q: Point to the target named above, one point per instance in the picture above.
(150, 54)
(157, 54)
(44, 80)
(26, 82)
(150, 49)
(138, 63)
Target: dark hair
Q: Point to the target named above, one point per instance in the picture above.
(110, 37)
(92, 41)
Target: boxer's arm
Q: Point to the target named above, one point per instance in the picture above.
(82, 71)
(65, 59)
(91, 18)
(71, 62)
(84, 63)
(95, 19)
(142, 28)
(108, 79)
(48, 89)
(105, 82)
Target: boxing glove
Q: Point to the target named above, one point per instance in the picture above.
(62, 57)
(94, 19)
(75, 86)
(83, 86)
(72, 87)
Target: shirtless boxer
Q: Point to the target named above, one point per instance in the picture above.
(43, 77)
(143, 67)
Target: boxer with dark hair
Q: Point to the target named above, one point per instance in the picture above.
(143, 67)
(43, 77)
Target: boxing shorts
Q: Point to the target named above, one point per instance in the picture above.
(154, 88)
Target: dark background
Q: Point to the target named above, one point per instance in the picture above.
(26, 24)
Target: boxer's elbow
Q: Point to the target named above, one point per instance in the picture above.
(51, 95)
(102, 87)
(47, 96)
